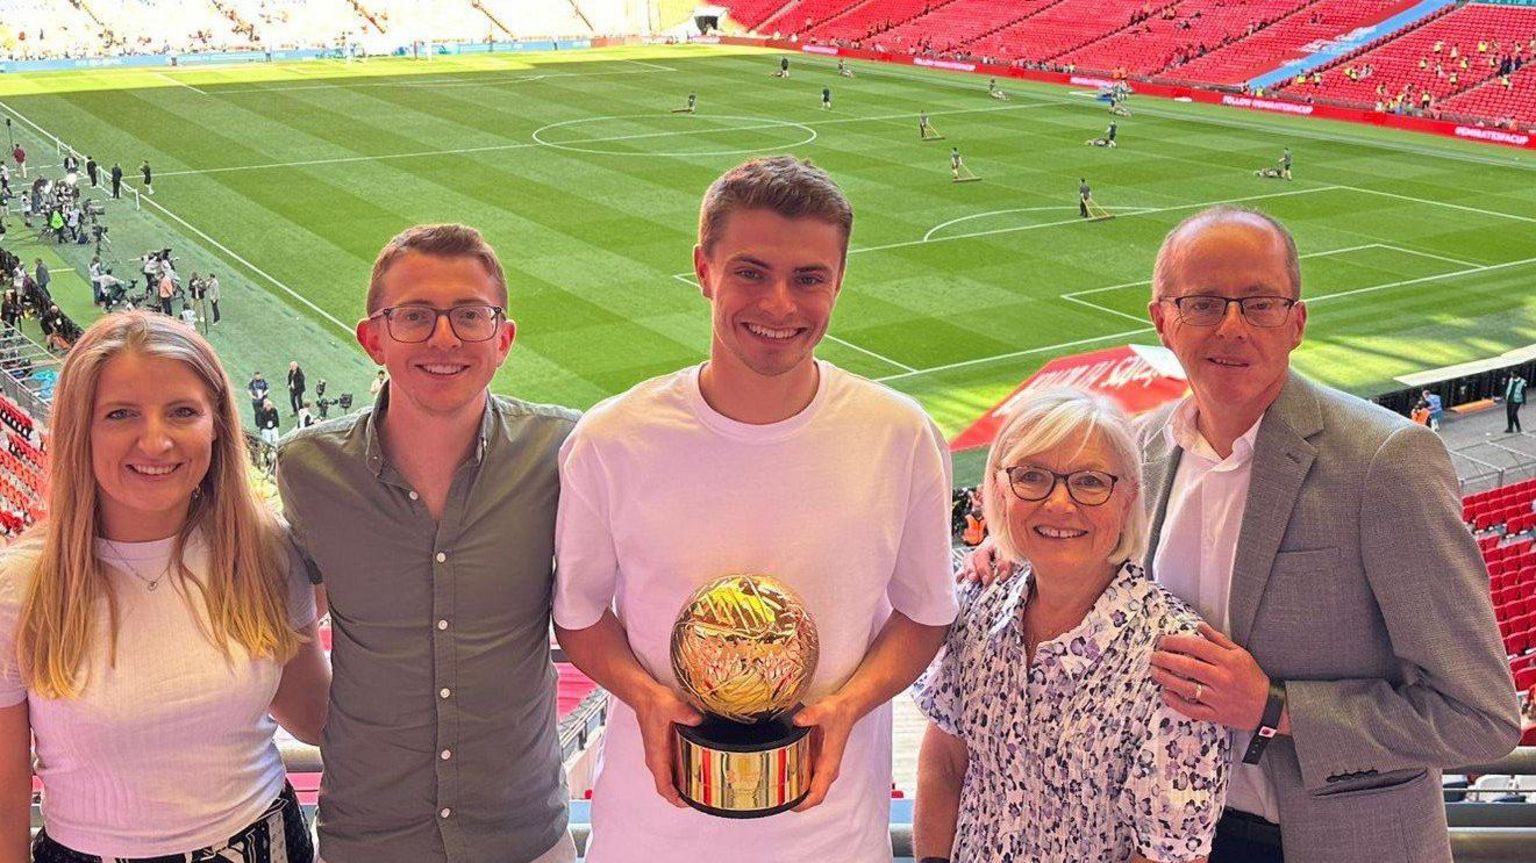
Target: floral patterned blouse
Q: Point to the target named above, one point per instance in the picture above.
(1075, 757)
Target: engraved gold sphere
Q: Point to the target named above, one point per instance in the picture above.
(744, 648)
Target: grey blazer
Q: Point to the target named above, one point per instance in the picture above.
(1357, 584)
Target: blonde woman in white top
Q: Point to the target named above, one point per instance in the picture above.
(154, 624)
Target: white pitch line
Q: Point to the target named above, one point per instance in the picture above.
(1427, 255)
(181, 83)
(651, 65)
(340, 324)
(1097, 307)
(1015, 354)
(1075, 221)
(941, 226)
(882, 357)
(527, 144)
(1440, 204)
(1075, 294)
(1467, 272)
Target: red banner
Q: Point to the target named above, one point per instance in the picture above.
(1139, 377)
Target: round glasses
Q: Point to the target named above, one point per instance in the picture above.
(1207, 310)
(1087, 487)
(416, 323)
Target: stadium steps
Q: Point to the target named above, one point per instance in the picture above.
(752, 14)
(1394, 58)
(581, 16)
(1011, 22)
(1112, 34)
(1287, 39)
(818, 11)
(1491, 99)
(90, 13)
(1149, 46)
(495, 22)
(368, 17)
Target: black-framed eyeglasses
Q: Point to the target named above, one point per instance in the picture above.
(414, 322)
(1207, 310)
(1033, 483)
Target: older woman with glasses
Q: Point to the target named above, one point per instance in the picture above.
(1048, 740)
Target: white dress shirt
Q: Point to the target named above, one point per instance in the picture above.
(1195, 554)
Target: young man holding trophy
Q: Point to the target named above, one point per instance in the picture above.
(753, 557)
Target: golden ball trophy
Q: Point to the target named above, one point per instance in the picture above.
(744, 650)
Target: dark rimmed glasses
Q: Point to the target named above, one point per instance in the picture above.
(1034, 483)
(412, 323)
(1207, 310)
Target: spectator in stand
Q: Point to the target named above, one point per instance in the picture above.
(151, 711)
(10, 307)
(1420, 413)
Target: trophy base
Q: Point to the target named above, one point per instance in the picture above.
(735, 770)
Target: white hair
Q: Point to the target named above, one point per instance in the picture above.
(1045, 419)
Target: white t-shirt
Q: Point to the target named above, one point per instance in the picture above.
(172, 749)
(846, 502)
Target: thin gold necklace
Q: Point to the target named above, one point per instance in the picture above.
(127, 567)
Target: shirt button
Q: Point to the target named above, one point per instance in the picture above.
(442, 624)
(445, 754)
(415, 496)
(444, 692)
(445, 812)
(441, 557)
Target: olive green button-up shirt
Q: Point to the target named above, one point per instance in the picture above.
(441, 742)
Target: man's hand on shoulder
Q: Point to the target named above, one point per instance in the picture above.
(984, 565)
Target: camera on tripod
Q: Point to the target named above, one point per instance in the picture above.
(323, 404)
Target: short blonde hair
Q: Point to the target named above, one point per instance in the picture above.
(1045, 419)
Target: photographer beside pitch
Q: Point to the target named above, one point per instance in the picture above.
(1349, 670)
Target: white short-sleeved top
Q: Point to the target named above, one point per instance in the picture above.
(169, 750)
(846, 502)
(1074, 757)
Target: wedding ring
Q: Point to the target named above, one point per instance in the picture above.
(1199, 688)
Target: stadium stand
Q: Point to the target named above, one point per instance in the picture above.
(1182, 30)
(282, 24)
(1444, 55)
(523, 20)
(1059, 27)
(803, 15)
(1501, 97)
(1283, 41)
(41, 28)
(751, 14)
(957, 24)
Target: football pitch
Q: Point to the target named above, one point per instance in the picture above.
(1417, 252)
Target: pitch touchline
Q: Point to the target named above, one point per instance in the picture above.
(341, 325)
(433, 81)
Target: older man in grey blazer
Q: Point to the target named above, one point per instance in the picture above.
(1352, 646)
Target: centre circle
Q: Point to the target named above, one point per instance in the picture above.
(594, 143)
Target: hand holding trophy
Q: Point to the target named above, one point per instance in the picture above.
(744, 649)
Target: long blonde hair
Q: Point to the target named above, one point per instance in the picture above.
(244, 593)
